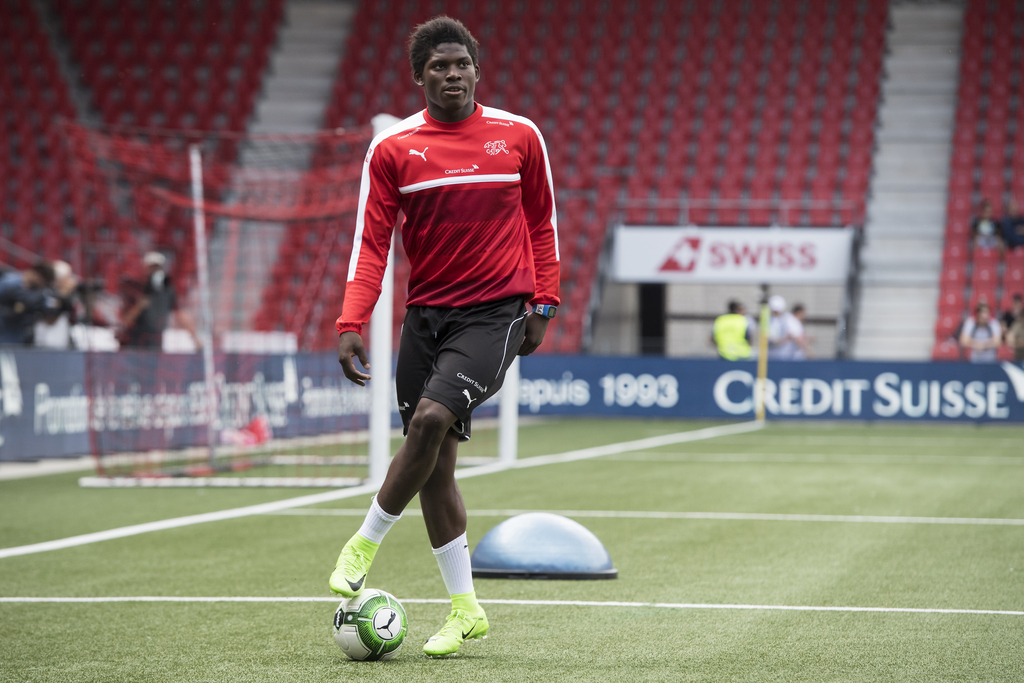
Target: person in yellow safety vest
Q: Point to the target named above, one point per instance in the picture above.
(732, 333)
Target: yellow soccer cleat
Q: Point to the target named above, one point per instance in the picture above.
(349, 575)
(459, 627)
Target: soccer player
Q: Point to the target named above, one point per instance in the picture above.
(480, 232)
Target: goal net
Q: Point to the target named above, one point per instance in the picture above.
(252, 234)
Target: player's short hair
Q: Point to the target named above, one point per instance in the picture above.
(441, 29)
(798, 308)
(735, 307)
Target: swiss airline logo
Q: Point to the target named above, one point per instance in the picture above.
(778, 255)
(683, 257)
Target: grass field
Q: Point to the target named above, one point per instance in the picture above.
(825, 516)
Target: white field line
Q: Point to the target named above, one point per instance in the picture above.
(528, 603)
(616, 448)
(819, 458)
(328, 496)
(730, 516)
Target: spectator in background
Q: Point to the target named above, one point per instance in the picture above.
(1013, 326)
(53, 329)
(803, 350)
(782, 345)
(149, 304)
(985, 231)
(733, 333)
(25, 297)
(1013, 226)
(981, 335)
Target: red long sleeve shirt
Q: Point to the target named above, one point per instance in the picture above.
(479, 214)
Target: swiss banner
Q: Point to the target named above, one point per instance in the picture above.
(735, 255)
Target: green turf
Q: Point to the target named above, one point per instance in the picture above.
(928, 471)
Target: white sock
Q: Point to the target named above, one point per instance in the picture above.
(377, 523)
(453, 560)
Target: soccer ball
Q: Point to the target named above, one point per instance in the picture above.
(371, 626)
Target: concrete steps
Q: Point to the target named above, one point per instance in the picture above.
(302, 71)
(901, 260)
(296, 92)
(77, 90)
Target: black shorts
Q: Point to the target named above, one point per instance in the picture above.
(457, 356)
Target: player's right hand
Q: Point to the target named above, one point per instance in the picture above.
(351, 345)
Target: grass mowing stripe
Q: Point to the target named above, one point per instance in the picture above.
(263, 508)
(941, 441)
(642, 444)
(817, 458)
(643, 514)
(526, 603)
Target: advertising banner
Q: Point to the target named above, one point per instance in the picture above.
(832, 390)
(59, 404)
(731, 255)
(138, 401)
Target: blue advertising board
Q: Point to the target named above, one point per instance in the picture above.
(58, 404)
(660, 387)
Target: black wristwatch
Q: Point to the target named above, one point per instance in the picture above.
(546, 310)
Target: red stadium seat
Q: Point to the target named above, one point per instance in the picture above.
(955, 252)
(951, 300)
(1013, 278)
(946, 350)
(983, 295)
(986, 258)
(947, 325)
(953, 275)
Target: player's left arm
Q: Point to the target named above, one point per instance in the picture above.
(539, 209)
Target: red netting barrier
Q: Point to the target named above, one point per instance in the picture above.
(279, 210)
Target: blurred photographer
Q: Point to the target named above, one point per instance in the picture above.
(149, 304)
(25, 297)
(53, 327)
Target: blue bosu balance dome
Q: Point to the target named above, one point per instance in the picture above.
(541, 545)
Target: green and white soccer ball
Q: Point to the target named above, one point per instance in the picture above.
(370, 627)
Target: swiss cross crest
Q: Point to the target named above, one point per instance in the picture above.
(495, 146)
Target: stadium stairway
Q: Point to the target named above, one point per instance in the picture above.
(902, 258)
(61, 51)
(297, 88)
(303, 67)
